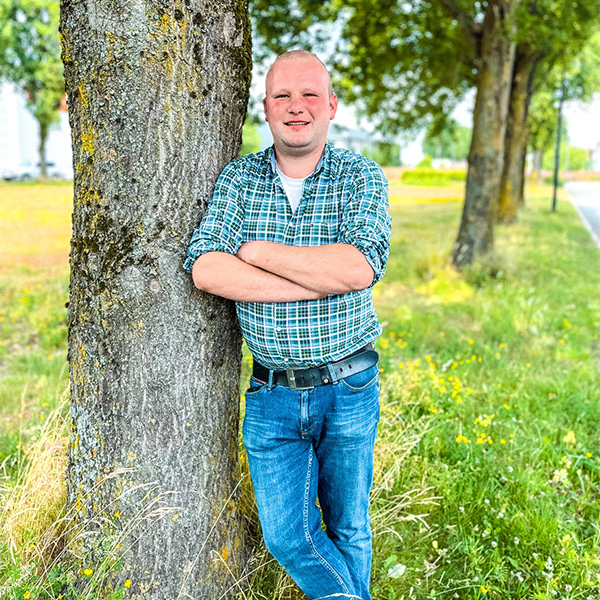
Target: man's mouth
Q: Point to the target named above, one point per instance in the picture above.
(292, 123)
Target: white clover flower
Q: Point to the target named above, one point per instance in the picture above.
(510, 469)
(494, 544)
(486, 501)
(517, 541)
(500, 514)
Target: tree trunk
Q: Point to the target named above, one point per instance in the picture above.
(44, 127)
(157, 97)
(486, 155)
(538, 159)
(515, 140)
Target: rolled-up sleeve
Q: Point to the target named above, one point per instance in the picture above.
(367, 224)
(221, 227)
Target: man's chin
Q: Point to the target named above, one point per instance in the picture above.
(299, 148)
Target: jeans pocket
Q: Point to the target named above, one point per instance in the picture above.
(362, 380)
(256, 385)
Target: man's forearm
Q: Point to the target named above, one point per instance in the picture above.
(225, 275)
(327, 269)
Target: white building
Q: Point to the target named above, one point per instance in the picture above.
(20, 140)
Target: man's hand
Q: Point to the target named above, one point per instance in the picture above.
(326, 269)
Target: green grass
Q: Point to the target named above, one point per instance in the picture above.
(488, 457)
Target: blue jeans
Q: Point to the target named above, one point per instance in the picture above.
(309, 444)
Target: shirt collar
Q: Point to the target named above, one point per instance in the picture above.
(325, 157)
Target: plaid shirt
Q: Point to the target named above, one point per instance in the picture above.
(345, 201)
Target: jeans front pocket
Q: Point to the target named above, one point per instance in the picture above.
(256, 385)
(362, 380)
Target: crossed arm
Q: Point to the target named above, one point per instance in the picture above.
(271, 272)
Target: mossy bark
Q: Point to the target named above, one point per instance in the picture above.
(157, 96)
(495, 60)
(515, 142)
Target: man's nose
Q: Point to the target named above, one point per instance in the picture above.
(295, 105)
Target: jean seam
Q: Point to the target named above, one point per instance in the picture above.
(321, 559)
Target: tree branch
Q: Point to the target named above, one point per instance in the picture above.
(471, 29)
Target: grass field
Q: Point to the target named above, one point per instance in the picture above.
(488, 456)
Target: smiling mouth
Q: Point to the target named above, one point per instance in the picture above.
(291, 123)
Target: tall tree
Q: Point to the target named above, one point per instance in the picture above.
(494, 59)
(30, 58)
(157, 98)
(517, 132)
(541, 44)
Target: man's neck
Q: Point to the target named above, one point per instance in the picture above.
(298, 167)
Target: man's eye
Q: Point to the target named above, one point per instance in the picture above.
(281, 96)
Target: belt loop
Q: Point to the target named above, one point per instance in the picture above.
(332, 374)
(270, 382)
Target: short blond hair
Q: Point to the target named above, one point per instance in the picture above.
(291, 54)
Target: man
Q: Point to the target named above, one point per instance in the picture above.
(297, 235)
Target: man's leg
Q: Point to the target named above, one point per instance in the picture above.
(277, 434)
(345, 454)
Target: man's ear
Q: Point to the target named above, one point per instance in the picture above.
(333, 104)
(265, 109)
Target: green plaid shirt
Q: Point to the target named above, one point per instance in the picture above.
(345, 200)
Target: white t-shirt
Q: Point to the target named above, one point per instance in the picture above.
(292, 187)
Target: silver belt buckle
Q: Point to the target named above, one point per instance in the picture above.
(291, 379)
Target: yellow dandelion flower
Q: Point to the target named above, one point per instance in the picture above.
(503, 441)
(501, 345)
(51, 357)
(88, 572)
(588, 454)
(458, 400)
(471, 342)
(483, 589)
(512, 435)
(27, 594)
(469, 390)
(128, 583)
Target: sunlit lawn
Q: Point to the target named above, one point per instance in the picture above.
(488, 458)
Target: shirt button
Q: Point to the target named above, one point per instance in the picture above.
(278, 328)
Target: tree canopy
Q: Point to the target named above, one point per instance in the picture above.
(30, 58)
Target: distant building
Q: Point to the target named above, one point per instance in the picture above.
(19, 137)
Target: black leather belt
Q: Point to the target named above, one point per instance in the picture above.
(304, 379)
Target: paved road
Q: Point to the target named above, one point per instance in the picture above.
(585, 195)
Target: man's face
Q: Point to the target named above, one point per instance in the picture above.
(297, 106)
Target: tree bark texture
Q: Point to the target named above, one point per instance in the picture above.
(515, 141)
(157, 96)
(486, 155)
